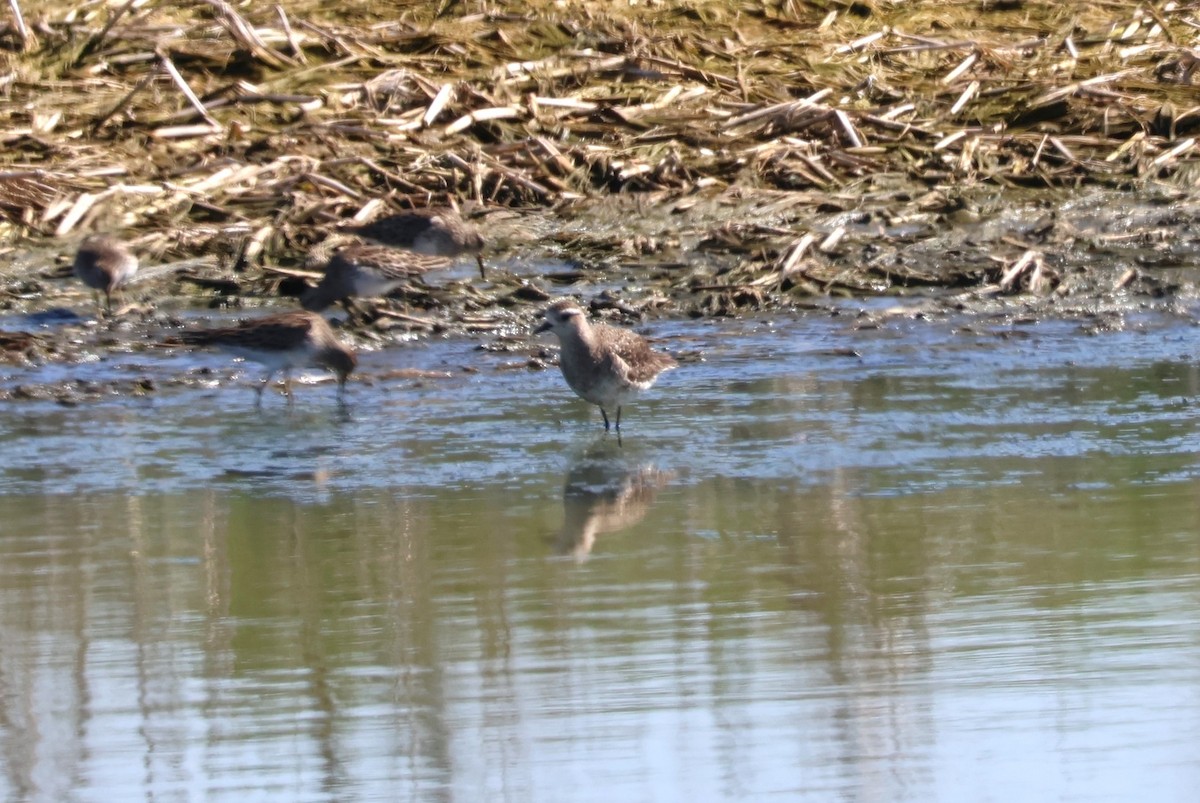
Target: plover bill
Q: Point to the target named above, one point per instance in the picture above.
(604, 365)
(104, 263)
(365, 271)
(280, 343)
(436, 232)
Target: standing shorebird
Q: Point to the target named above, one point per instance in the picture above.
(104, 263)
(282, 342)
(436, 232)
(604, 365)
(364, 271)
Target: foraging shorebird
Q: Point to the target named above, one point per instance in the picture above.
(104, 263)
(604, 365)
(280, 343)
(364, 271)
(435, 232)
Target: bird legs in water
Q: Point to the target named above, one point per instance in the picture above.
(617, 426)
(266, 380)
(605, 415)
(258, 391)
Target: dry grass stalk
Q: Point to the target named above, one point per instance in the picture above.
(28, 40)
(1027, 260)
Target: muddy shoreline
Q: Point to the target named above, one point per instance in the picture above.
(1102, 257)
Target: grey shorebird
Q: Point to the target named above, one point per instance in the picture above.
(281, 342)
(604, 365)
(104, 263)
(365, 271)
(435, 232)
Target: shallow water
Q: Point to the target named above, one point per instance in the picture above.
(962, 565)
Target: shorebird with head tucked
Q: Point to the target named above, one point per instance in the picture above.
(104, 263)
(280, 343)
(604, 365)
(436, 232)
(364, 271)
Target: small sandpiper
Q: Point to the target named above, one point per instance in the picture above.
(604, 365)
(365, 271)
(104, 263)
(282, 342)
(436, 232)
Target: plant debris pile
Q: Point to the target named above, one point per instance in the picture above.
(249, 131)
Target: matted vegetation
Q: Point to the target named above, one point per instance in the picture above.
(250, 130)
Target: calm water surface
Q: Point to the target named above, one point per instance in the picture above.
(963, 565)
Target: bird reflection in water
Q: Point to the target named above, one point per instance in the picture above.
(604, 492)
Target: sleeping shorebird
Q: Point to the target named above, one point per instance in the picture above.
(104, 263)
(280, 343)
(604, 365)
(435, 232)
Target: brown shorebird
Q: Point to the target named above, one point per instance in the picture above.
(604, 365)
(282, 342)
(104, 263)
(364, 271)
(436, 232)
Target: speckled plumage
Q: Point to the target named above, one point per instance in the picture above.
(281, 342)
(364, 271)
(104, 263)
(604, 365)
(435, 232)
